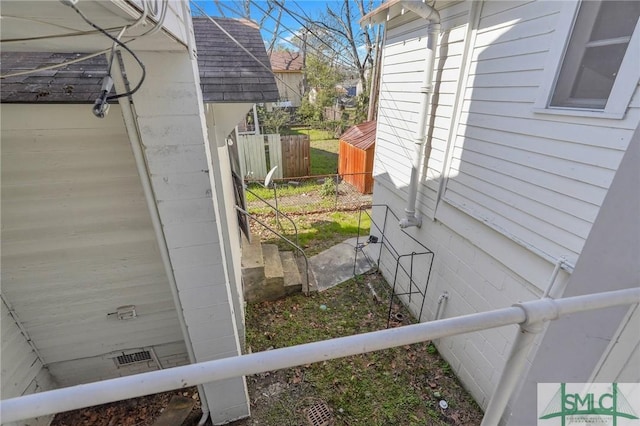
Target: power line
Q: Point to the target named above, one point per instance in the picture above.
(317, 51)
(305, 24)
(298, 37)
(121, 44)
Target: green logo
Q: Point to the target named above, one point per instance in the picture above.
(599, 404)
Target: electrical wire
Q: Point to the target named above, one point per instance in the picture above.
(306, 25)
(315, 49)
(342, 62)
(141, 19)
(121, 44)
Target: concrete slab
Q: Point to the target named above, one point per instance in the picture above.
(335, 265)
(292, 280)
(176, 412)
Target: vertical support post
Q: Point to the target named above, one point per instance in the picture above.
(336, 182)
(512, 372)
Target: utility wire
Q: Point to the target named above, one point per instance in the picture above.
(142, 18)
(306, 25)
(121, 44)
(294, 33)
(317, 51)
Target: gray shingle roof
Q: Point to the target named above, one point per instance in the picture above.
(227, 73)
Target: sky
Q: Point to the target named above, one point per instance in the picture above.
(289, 24)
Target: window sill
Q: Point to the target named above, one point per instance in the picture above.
(576, 112)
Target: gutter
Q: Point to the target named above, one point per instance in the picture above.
(426, 89)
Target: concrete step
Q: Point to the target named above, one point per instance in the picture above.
(292, 279)
(252, 253)
(252, 262)
(273, 273)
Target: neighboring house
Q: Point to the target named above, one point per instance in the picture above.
(289, 70)
(526, 129)
(120, 241)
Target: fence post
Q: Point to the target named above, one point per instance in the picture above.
(336, 181)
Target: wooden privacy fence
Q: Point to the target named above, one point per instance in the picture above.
(260, 153)
(296, 155)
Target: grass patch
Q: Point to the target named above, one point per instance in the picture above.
(324, 156)
(400, 386)
(314, 134)
(317, 231)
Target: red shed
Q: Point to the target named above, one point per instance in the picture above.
(355, 161)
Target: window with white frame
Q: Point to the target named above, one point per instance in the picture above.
(601, 63)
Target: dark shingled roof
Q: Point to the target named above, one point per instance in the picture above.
(362, 136)
(227, 73)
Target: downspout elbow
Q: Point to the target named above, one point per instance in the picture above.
(422, 9)
(410, 220)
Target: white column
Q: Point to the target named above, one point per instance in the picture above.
(171, 121)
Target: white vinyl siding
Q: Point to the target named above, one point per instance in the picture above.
(77, 239)
(22, 369)
(403, 70)
(538, 179)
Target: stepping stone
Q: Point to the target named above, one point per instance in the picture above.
(176, 412)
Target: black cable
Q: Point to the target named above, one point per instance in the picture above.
(121, 44)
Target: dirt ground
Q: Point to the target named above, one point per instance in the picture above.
(399, 386)
(142, 411)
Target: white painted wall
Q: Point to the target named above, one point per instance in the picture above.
(173, 131)
(600, 344)
(77, 241)
(510, 190)
(290, 87)
(22, 369)
(221, 121)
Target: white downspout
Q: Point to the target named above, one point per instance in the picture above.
(430, 14)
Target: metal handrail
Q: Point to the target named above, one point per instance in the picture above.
(278, 212)
(291, 243)
(535, 312)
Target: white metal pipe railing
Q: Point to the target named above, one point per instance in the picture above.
(80, 396)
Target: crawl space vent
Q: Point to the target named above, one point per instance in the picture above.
(127, 359)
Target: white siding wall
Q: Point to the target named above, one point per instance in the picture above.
(403, 69)
(77, 240)
(22, 370)
(179, 156)
(521, 189)
(290, 87)
(538, 178)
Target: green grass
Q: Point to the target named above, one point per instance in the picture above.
(400, 386)
(324, 156)
(317, 231)
(314, 134)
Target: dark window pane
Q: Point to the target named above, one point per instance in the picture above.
(615, 19)
(598, 71)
